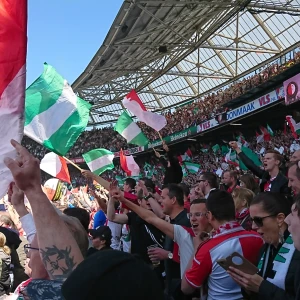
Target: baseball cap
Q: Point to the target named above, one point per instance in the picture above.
(106, 270)
(102, 232)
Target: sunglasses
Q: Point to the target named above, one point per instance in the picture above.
(28, 247)
(259, 221)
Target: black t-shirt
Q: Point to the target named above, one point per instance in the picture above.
(143, 235)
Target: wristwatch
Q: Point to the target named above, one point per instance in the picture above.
(148, 197)
(170, 255)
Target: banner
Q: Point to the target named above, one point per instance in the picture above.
(292, 89)
(265, 100)
(173, 137)
(131, 151)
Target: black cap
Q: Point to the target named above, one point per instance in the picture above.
(102, 232)
(112, 275)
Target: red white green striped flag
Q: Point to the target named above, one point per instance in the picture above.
(13, 47)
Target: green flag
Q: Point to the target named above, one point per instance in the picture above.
(270, 130)
(130, 131)
(216, 148)
(253, 156)
(99, 160)
(54, 115)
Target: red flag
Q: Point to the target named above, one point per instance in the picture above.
(134, 104)
(13, 46)
(266, 133)
(123, 163)
(56, 166)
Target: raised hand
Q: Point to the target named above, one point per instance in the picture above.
(166, 148)
(25, 169)
(156, 153)
(87, 174)
(233, 145)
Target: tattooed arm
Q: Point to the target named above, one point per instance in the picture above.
(59, 250)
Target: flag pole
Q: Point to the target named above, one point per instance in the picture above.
(76, 166)
(160, 136)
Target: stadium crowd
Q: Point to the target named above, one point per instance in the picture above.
(186, 235)
(221, 232)
(181, 118)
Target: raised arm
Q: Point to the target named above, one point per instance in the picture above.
(148, 216)
(111, 213)
(59, 250)
(100, 180)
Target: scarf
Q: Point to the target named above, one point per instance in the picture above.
(242, 214)
(281, 262)
(228, 227)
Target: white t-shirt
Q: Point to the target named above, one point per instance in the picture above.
(186, 247)
(116, 232)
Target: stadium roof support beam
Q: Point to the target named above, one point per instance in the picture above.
(224, 48)
(275, 7)
(236, 40)
(267, 31)
(198, 75)
(247, 43)
(163, 23)
(168, 94)
(188, 81)
(222, 58)
(155, 96)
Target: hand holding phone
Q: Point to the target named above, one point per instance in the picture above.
(239, 262)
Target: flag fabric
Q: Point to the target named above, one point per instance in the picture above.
(134, 104)
(184, 171)
(251, 155)
(191, 167)
(216, 148)
(266, 134)
(130, 130)
(129, 166)
(99, 160)
(56, 166)
(259, 138)
(13, 47)
(187, 156)
(225, 149)
(54, 115)
(231, 158)
(295, 127)
(270, 130)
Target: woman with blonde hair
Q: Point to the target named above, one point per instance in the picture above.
(5, 262)
(242, 199)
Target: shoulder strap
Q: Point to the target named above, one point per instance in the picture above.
(152, 236)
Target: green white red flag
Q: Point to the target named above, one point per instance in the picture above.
(13, 48)
(134, 104)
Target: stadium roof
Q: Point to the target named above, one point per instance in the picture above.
(170, 51)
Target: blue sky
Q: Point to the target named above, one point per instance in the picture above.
(66, 34)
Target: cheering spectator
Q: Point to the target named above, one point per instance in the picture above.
(271, 177)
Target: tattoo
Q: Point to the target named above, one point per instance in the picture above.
(58, 262)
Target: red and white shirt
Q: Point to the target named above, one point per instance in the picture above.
(224, 243)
